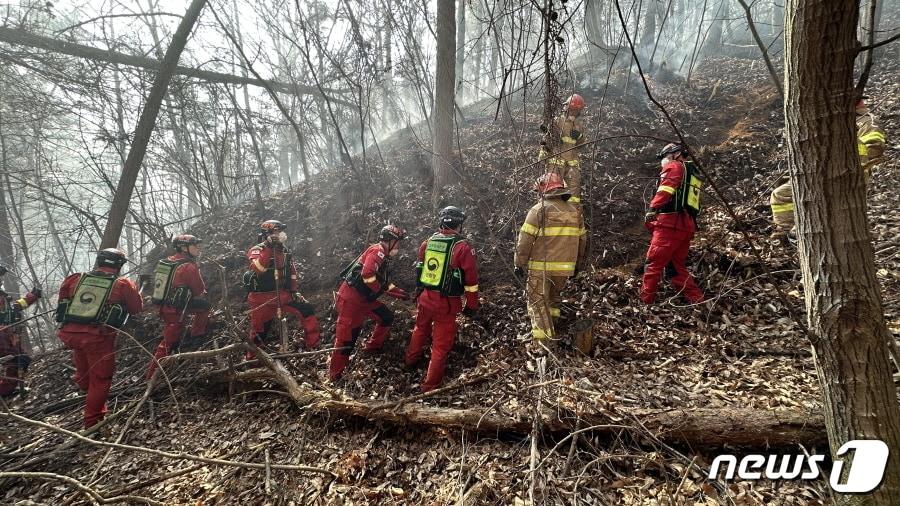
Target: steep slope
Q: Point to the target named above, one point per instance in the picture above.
(743, 352)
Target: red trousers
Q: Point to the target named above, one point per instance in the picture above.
(10, 380)
(95, 363)
(173, 330)
(264, 310)
(435, 322)
(9, 374)
(669, 245)
(353, 310)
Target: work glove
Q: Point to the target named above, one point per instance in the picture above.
(519, 272)
(650, 216)
(875, 151)
(37, 292)
(301, 298)
(471, 313)
(3, 270)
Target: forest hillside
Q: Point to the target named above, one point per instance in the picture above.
(659, 381)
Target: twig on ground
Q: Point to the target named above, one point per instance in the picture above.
(94, 496)
(164, 454)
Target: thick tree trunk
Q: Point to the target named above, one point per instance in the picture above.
(145, 126)
(843, 300)
(442, 111)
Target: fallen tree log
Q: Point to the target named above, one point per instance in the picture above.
(696, 427)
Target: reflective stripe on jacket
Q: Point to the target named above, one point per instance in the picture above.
(870, 138)
(552, 239)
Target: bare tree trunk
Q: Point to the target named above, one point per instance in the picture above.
(51, 222)
(54, 234)
(649, 24)
(390, 112)
(460, 48)
(497, 58)
(248, 115)
(879, 9)
(551, 86)
(478, 64)
(595, 36)
(7, 255)
(869, 28)
(713, 43)
(23, 246)
(443, 101)
(119, 118)
(762, 48)
(179, 134)
(146, 123)
(284, 154)
(696, 42)
(495, 43)
(662, 24)
(843, 298)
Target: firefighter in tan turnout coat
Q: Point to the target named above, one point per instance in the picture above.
(551, 247)
(870, 141)
(571, 137)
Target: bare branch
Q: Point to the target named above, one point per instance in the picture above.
(24, 38)
(96, 497)
(160, 453)
(879, 44)
(110, 16)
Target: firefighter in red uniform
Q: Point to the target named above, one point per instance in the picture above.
(364, 281)
(672, 222)
(272, 282)
(178, 290)
(91, 307)
(15, 360)
(448, 277)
